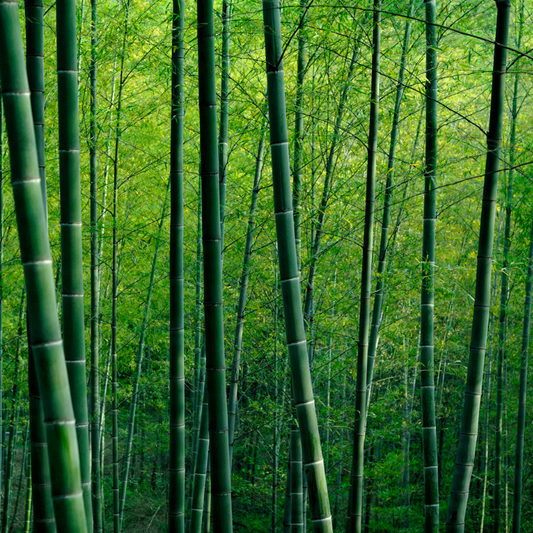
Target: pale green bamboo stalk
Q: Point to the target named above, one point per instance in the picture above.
(464, 463)
(126, 460)
(294, 323)
(29, 501)
(176, 514)
(297, 514)
(71, 233)
(36, 260)
(2, 431)
(355, 502)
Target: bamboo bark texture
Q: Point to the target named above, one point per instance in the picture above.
(176, 515)
(213, 307)
(464, 462)
(71, 237)
(39, 279)
(427, 298)
(355, 502)
(290, 281)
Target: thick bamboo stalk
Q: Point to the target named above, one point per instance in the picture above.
(36, 260)
(237, 344)
(126, 460)
(96, 486)
(355, 503)
(290, 281)
(464, 463)
(427, 298)
(71, 237)
(521, 418)
(176, 514)
(213, 307)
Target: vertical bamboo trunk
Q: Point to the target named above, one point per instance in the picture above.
(521, 418)
(297, 515)
(277, 421)
(23, 461)
(427, 299)
(43, 509)
(29, 501)
(71, 237)
(464, 463)
(213, 307)
(224, 116)
(2, 431)
(237, 344)
(355, 504)
(96, 487)
(176, 514)
(294, 323)
(377, 310)
(36, 260)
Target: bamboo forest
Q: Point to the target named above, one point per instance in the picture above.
(266, 267)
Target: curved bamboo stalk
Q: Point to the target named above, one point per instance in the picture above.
(464, 462)
(290, 281)
(355, 502)
(176, 514)
(213, 307)
(427, 298)
(71, 237)
(237, 344)
(36, 260)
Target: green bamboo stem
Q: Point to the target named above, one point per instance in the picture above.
(36, 260)
(213, 307)
(207, 500)
(521, 418)
(297, 515)
(96, 487)
(35, 67)
(237, 344)
(126, 460)
(355, 503)
(464, 463)
(377, 310)
(2, 431)
(24, 458)
(427, 298)
(176, 514)
(200, 469)
(277, 421)
(29, 501)
(224, 115)
(290, 282)
(43, 507)
(71, 233)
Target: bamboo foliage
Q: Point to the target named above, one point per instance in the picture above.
(176, 515)
(288, 263)
(355, 503)
(213, 308)
(464, 462)
(38, 274)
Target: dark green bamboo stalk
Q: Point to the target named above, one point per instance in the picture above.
(224, 115)
(36, 259)
(213, 307)
(96, 487)
(297, 516)
(35, 67)
(355, 503)
(29, 501)
(126, 460)
(377, 310)
(237, 344)
(71, 237)
(200, 469)
(290, 281)
(521, 418)
(23, 460)
(43, 508)
(427, 298)
(176, 514)
(2, 431)
(464, 462)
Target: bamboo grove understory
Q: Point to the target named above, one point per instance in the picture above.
(265, 266)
